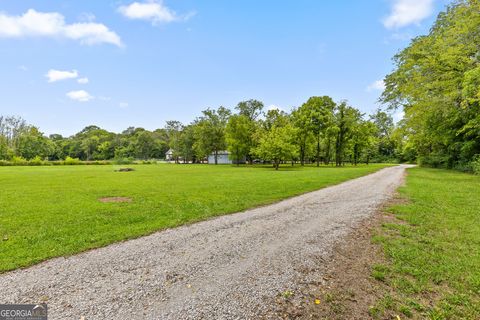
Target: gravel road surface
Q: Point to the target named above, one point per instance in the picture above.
(231, 267)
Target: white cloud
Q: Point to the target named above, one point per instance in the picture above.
(406, 12)
(58, 75)
(80, 95)
(103, 98)
(23, 68)
(83, 80)
(154, 11)
(274, 107)
(123, 105)
(378, 85)
(52, 24)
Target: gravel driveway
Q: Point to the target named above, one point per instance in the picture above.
(231, 267)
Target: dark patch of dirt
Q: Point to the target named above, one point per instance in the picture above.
(125, 170)
(115, 199)
(346, 289)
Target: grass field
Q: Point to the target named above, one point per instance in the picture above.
(435, 255)
(53, 211)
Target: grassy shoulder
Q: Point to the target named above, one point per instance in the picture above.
(433, 249)
(47, 212)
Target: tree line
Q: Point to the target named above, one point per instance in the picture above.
(436, 82)
(319, 131)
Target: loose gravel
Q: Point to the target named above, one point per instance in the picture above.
(231, 267)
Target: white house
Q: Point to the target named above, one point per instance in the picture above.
(223, 158)
(169, 155)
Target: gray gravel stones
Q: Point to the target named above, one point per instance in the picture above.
(231, 267)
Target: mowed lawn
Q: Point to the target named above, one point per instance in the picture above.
(435, 254)
(53, 211)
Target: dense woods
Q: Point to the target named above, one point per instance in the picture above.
(437, 83)
(319, 131)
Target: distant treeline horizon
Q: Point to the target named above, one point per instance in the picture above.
(319, 131)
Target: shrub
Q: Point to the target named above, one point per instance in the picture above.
(476, 164)
(19, 161)
(71, 161)
(4, 163)
(434, 161)
(37, 161)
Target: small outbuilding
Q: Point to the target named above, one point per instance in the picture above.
(223, 157)
(169, 155)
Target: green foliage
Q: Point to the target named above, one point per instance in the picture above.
(54, 211)
(317, 131)
(239, 137)
(19, 161)
(436, 82)
(277, 145)
(71, 161)
(476, 164)
(209, 132)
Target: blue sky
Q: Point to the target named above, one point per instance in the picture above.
(151, 61)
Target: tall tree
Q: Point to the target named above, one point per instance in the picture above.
(210, 132)
(434, 82)
(238, 136)
(277, 145)
(174, 132)
(320, 112)
(251, 109)
(346, 118)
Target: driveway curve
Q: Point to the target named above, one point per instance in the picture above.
(230, 267)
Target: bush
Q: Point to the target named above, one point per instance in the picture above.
(476, 164)
(19, 161)
(4, 163)
(71, 161)
(37, 161)
(434, 161)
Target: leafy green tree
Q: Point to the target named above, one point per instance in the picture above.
(277, 145)
(144, 145)
(319, 112)
(187, 141)
(32, 143)
(385, 126)
(302, 122)
(346, 117)
(210, 132)
(435, 82)
(251, 109)
(89, 146)
(4, 149)
(174, 132)
(238, 134)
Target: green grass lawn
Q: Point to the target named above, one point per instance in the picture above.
(435, 255)
(53, 211)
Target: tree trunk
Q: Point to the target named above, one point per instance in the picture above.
(216, 156)
(302, 153)
(327, 153)
(318, 151)
(238, 159)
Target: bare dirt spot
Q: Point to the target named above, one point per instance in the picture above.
(347, 289)
(125, 170)
(115, 199)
